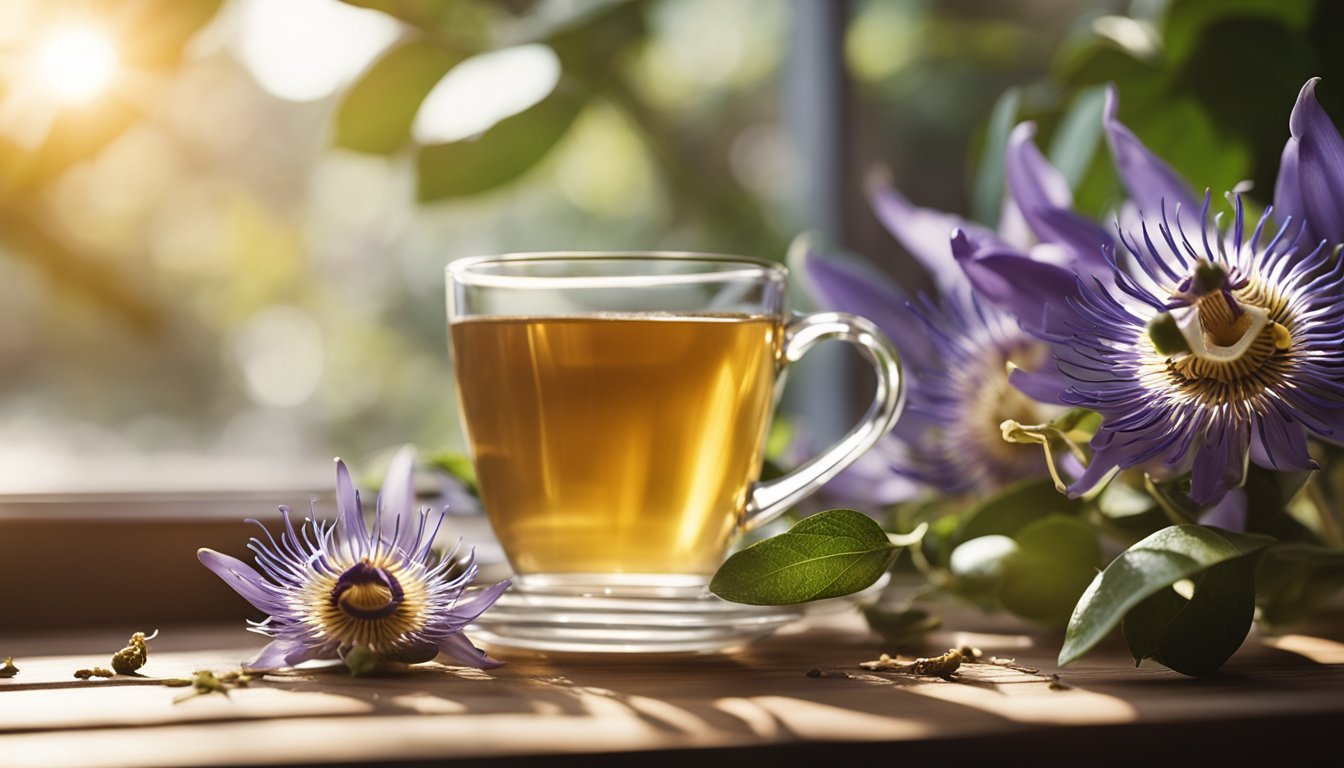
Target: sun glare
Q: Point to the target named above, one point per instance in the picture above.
(77, 63)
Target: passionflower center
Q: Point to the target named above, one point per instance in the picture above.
(997, 400)
(366, 591)
(1227, 342)
(1222, 342)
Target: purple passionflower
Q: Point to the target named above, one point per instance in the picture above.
(1210, 355)
(1310, 185)
(970, 362)
(334, 588)
(956, 354)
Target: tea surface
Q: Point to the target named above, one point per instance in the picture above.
(616, 443)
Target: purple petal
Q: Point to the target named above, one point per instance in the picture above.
(1288, 185)
(1230, 513)
(348, 507)
(1043, 386)
(923, 232)
(1034, 182)
(243, 579)
(1220, 464)
(848, 286)
(466, 611)
(1320, 166)
(1084, 240)
(1034, 292)
(1148, 179)
(282, 654)
(1280, 445)
(460, 650)
(398, 522)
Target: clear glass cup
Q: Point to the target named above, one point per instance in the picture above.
(616, 407)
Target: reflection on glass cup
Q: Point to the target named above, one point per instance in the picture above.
(616, 407)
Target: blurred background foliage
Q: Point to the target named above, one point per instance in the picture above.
(223, 222)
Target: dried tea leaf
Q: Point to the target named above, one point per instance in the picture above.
(134, 655)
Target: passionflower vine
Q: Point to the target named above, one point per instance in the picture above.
(344, 590)
(1212, 354)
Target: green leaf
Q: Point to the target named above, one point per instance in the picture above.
(832, 553)
(1078, 135)
(989, 183)
(377, 112)
(1055, 560)
(898, 627)
(1198, 633)
(502, 153)
(1018, 505)
(1153, 564)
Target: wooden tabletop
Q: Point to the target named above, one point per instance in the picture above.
(799, 697)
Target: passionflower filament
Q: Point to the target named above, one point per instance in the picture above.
(333, 589)
(1204, 357)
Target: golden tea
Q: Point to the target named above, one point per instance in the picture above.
(616, 443)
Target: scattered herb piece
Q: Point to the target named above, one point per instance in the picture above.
(8, 669)
(944, 666)
(205, 681)
(134, 655)
(85, 674)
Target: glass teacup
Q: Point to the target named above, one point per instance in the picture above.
(616, 407)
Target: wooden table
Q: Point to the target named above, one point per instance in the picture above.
(1278, 697)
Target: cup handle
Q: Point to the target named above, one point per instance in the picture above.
(771, 499)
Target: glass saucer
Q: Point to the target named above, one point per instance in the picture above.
(541, 619)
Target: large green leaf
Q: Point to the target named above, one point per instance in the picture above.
(502, 153)
(377, 112)
(1153, 564)
(832, 553)
(1196, 633)
(1055, 560)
